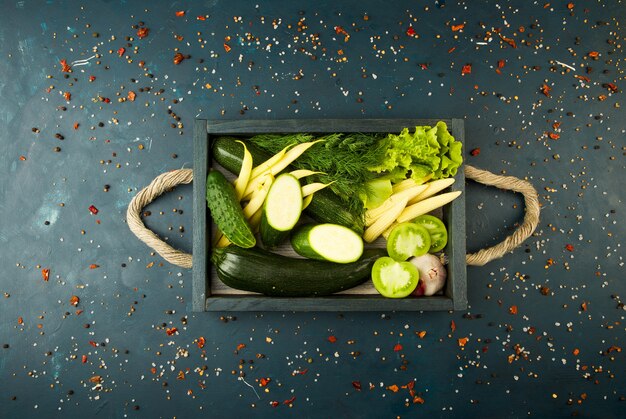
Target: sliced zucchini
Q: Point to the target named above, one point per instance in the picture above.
(281, 210)
(330, 242)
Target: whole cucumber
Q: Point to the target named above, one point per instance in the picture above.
(226, 211)
(326, 207)
(257, 270)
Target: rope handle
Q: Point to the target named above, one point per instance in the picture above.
(169, 180)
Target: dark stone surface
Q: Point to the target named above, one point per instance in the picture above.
(559, 355)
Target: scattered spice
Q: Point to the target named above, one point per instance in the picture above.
(142, 32)
(180, 13)
(456, 28)
(475, 152)
(397, 348)
(93, 209)
(467, 69)
(332, 339)
(45, 274)
(74, 300)
(178, 57)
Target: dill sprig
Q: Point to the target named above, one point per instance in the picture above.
(344, 158)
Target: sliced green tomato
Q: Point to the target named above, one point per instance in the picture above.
(406, 240)
(394, 279)
(437, 230)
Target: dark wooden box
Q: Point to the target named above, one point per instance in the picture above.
(209, 294)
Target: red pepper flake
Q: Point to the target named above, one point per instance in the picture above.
(94, 266)
(121, 51)
(545, 89)
(462, 341)
(424, 66)
(332, 339)
(421, 334)
(397, 348)
(92, 78)
(451, 50)
(556, 125)
(610, 86)
(96, 379)
(180, 376)
(171, 330)
(20, 320)
(456, 28)
(45, 274)
(201, 17)
(570, 6)
(74, 300)
(467, 69)
(23, 158)
(545, 6)
(142, 32)
(569, 247)
(410, 31)
(513, 310)
(92, 343)
(583, 306)
(393, 388)
(78, 312)
(356, 385)
(65, 67)
(76, 125)
(200, 342)
(131, 96)
(67, 96)
(180, 13)
(263, 382)
(593, 54)
(153, 370)
(93, 209)
(475, 152)
(510, 41)
(583, 78)
(614, 348)
(84, 359)
(274, 403)
(418, 400)
(501, 63)
(178, 57)
(227, 47)
(452, 326)
(290, 401)
(241, 346)
(553, 136)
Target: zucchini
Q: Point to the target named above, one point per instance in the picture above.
(226, 211)
(330, 242)
(258, 270)
(281, 210)
(229, 154)
(326, 206)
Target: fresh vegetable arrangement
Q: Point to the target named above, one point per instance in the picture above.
(358, 187)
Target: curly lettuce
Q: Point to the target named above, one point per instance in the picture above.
(426, 151)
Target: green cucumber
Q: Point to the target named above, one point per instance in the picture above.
(330, 242)
(257, 270)
(281, 210)
(226, 211)
(326, 207)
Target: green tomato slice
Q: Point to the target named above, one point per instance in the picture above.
(437, 230)
(406, 240)
(394, 279)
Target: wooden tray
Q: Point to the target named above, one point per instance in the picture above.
(209, 294)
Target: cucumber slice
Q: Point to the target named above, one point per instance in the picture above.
(406, 240)
(330, 242)
(393, 279)
(281, 210)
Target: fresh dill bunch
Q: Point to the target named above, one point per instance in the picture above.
(345, 159)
